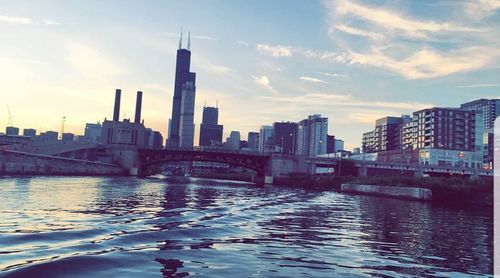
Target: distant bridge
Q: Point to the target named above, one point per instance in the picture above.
(364, 167)
(147, 158)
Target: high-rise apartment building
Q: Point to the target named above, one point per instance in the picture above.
(312, 136)
(385, 137)
(488, 108)
(441, 128)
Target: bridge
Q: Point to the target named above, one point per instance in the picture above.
(366, 167)
(148, 158)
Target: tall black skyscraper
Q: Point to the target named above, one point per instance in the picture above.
(210, 130)
(183, 76)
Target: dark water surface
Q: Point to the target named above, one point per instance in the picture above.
(126, 227)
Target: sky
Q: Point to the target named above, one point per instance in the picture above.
(263, 61)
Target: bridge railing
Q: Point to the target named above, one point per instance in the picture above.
(211, 149)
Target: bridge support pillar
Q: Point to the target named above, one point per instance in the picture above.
(362, 171)
(268, 179)
(419, 172)
(474, 176)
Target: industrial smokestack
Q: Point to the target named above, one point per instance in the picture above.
(138, 107)
(116, 111)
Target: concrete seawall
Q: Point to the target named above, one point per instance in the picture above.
(18, 163)
(411, 193)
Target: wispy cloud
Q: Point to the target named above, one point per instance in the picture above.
(27, 20)
(275, 50)
(312, 79)
(358, 32)
(329, 74)
(480, 85)
(264, 82)
(15, 20)
(242, 43)
(479, 9)
(395, 21)
(48, 21)
(429, 63)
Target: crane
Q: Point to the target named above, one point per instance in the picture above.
(9, 121)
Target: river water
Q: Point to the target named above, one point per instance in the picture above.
(127, 227)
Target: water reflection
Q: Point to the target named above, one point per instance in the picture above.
(176, 228)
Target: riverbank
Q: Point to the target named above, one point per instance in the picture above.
(449, 190)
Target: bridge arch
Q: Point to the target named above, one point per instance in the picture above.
(147, 158)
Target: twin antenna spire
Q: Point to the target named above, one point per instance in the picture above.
(189, 41)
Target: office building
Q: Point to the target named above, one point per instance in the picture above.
(488, 108)
(253, 140)
(285, 136)
(11, 130)
(186, 128)
(185, 82)
(266, 141)
(29, 132)
(93, 132)
(233, 141)
(338, 145)
(210, 130)
(68, 137)
(330, 144)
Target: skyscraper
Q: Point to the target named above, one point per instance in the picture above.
(186, 130)
(253, 140)
(266, 142)
(210, 130)
(185, 81)
(285, 136)
(312, 136)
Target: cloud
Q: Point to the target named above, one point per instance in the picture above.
(312, 79)
(333, 74)
(427, 63)
(264, 82)
(358, 32)
(479, 9)
(480, 85)
(50, 22)
(16, 20)
(394, 21)
(275, 50)
(242, 43)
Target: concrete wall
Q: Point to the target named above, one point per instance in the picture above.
(283, 164)
(412, 193)
(12, 163)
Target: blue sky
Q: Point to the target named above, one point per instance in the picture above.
(264, 61)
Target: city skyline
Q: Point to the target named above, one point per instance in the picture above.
(333, 62)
